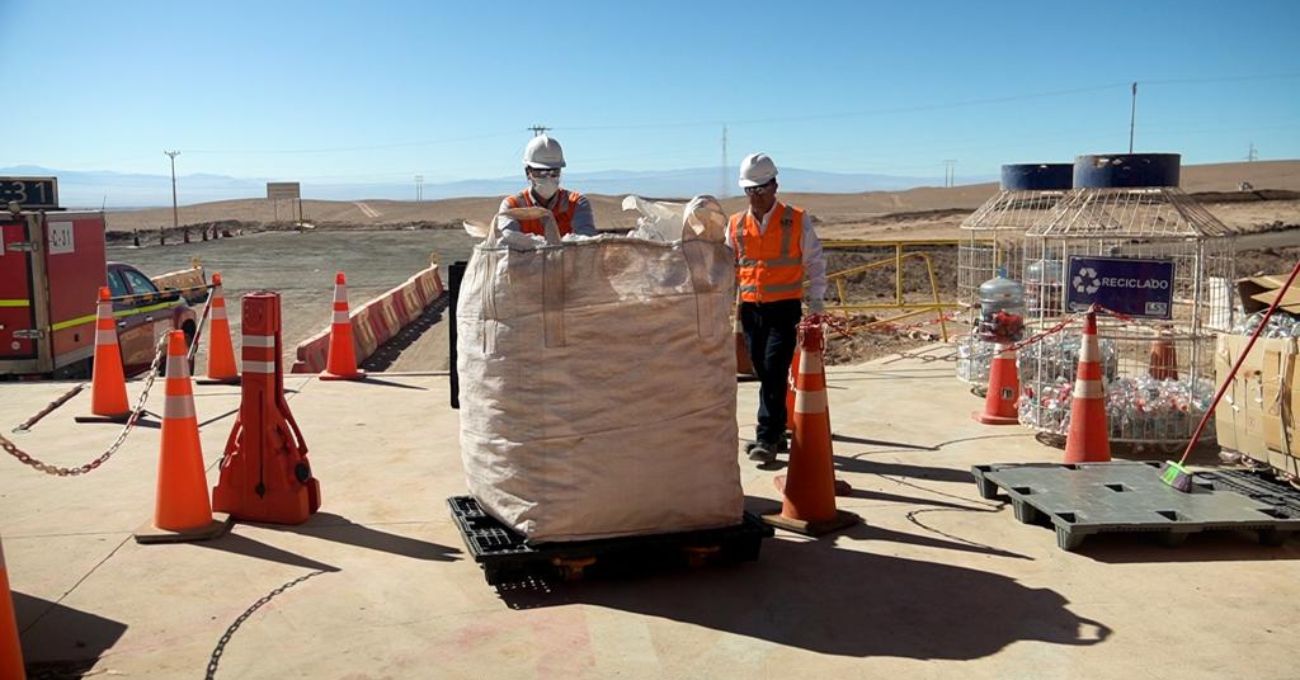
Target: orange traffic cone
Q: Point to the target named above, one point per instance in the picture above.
(11, 652)
(1163, 359)
(341, 363)
(1089, 438)
(182, 511)
(809, 487)
(108, 380)
(842, 488)
(1004, 390)
(221, 351)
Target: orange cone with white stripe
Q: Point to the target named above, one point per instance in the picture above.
(341, 362)
(108, 380)
(1004, 390)
(1089, 438)
(181, 510)
(11, 652)
(809, 488)
(221, 350)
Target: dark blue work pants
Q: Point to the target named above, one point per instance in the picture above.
(771, 334)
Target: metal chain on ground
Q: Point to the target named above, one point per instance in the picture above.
(27, 459)
(220, 649)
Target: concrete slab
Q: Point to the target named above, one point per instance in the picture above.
(937, 583)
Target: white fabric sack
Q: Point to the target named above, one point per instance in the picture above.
(597, 384)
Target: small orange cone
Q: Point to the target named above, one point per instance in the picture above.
(1163, 359)
(11, 652)
(182, 511)
(1004, 390)
(108, 380)
(221, 351)
(809, 487)
(341, 363)
(1088, 440)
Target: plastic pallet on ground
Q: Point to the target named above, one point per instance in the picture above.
(1094, 498)
(507, 557)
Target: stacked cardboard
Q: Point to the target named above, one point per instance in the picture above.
(1257, 415)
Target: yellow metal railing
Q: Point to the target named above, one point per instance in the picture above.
(909, 309)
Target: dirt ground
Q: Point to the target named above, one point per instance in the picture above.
(301, 268)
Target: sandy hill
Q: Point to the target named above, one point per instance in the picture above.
(939, 207)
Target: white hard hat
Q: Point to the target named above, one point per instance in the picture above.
(756, 170)
(543, 152)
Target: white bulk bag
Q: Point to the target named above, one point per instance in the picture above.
(597, 383)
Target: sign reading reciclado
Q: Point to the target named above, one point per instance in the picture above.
(1141, 288)
(282, 190)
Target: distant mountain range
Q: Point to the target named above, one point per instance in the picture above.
(81, 189)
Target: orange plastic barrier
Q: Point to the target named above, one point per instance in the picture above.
(265, 475)
(375, 322)
(11, 652)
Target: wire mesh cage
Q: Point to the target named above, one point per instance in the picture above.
(1158, 364)
(991, 242)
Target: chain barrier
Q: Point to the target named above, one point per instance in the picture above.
(27, 459)
(215, 660)
(847, 328)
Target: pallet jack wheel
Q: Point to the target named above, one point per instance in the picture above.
(571, 569)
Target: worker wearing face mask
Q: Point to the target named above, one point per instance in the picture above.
(776, 252)
(543, 159)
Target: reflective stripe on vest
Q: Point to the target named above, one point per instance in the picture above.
(769, 265)
(566, 206)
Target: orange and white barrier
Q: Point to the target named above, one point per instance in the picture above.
(375, 322)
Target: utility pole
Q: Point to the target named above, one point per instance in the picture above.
(949, 172)
(176, 221)
(419, 188)
(539, 130)
(1132, 117)
(725, 174)
(1253, 154)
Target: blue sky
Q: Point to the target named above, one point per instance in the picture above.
(378, 91)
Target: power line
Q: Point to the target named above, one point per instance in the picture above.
(539, 130)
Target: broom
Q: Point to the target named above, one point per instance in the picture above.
(1174, 474)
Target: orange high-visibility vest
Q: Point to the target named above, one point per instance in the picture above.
(563, 210)
(769, 266)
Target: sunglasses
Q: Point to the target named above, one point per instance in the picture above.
(761, 189)
(543, 172)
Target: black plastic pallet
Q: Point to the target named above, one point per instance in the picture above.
(506, 556)
(1095, 498)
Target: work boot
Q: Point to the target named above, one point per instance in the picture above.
(762, 453)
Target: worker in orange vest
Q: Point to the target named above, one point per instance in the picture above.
(776, 251)
(543, 159)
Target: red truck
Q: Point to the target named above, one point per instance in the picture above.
(52, 264)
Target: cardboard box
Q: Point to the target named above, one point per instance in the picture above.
(1257, 417)
(1258, 292)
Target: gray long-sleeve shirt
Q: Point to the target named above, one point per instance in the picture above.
(584, 221)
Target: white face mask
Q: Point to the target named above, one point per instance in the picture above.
(545, 186)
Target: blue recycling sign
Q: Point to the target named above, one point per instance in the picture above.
(1140, 288)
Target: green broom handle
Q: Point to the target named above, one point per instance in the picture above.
(1237, 365)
